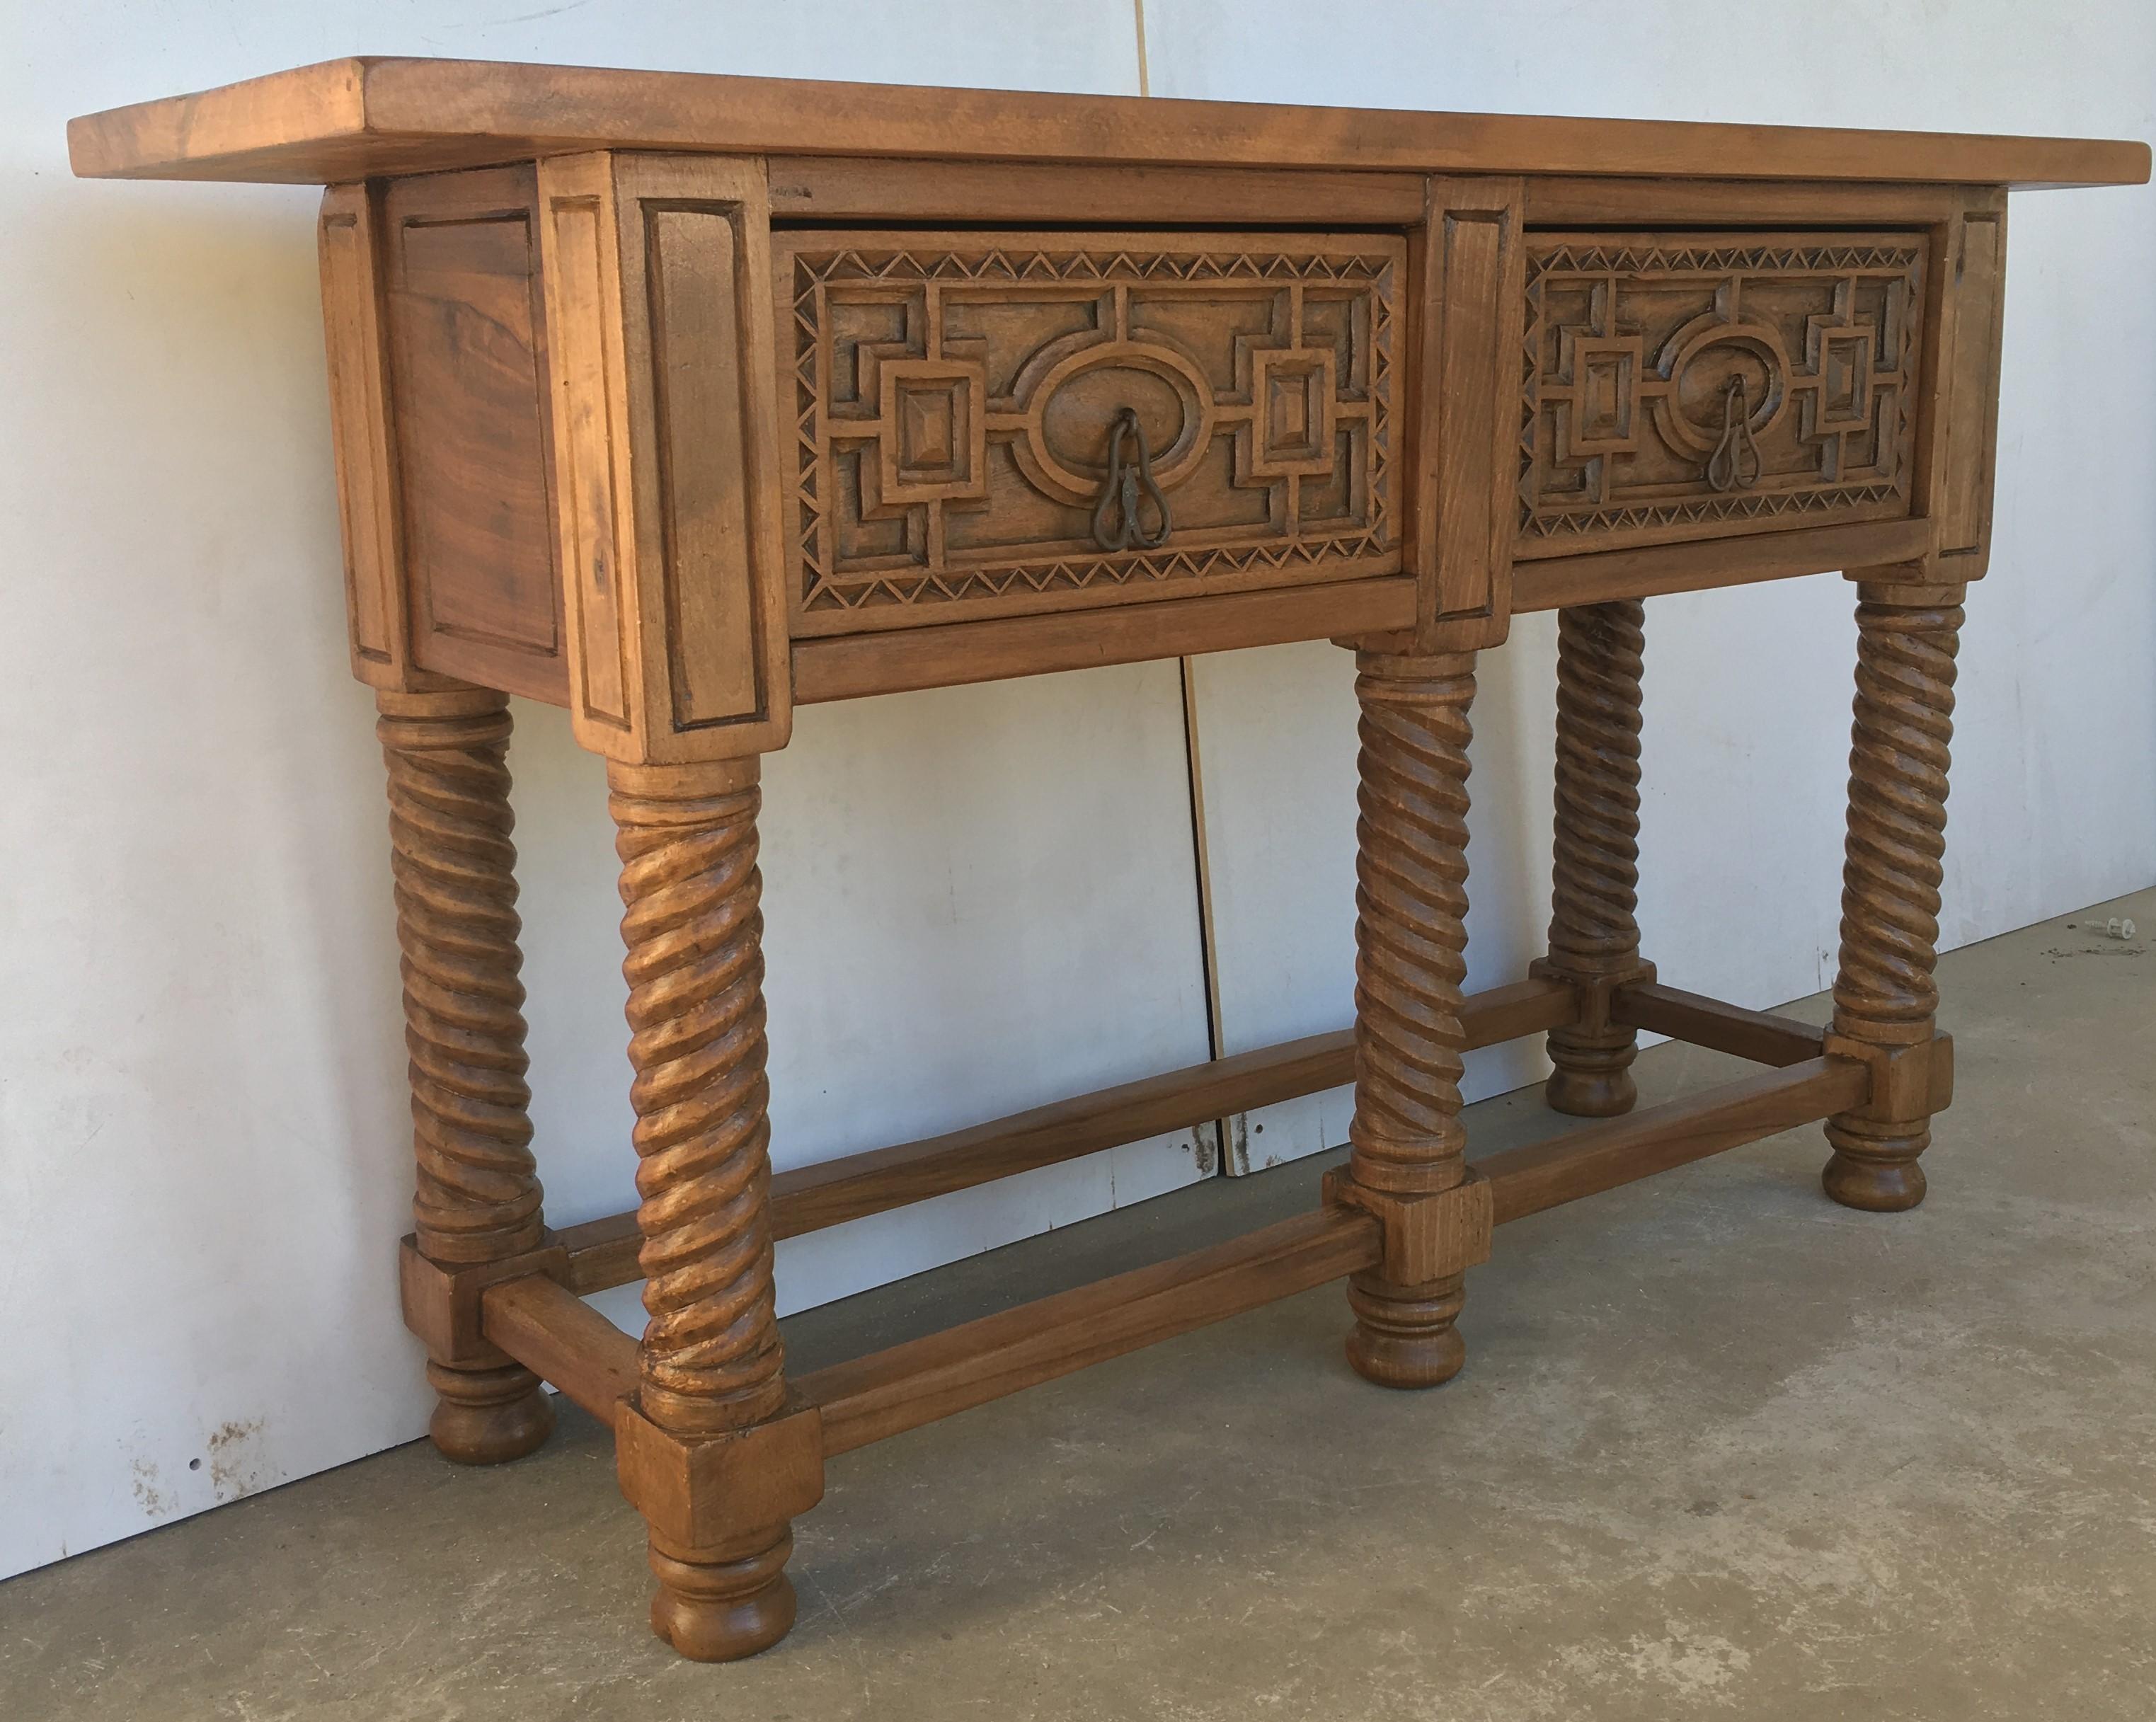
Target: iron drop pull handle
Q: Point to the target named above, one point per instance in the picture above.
(1117, 517)
(1734, 465)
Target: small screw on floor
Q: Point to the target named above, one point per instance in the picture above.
(2118, 926)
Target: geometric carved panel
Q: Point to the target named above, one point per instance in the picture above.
(954, 396)
(1682, 386)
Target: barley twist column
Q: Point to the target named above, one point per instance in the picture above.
(1884, 993)
(1593, 937)
(1411, 939)
(477, 1198)
(710, 1362)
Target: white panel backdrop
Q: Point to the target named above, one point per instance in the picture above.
(203, 1166)
(203, 1144)
(1746, 749)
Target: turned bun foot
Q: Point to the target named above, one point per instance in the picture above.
(1404, 1336)
(1878, 1186)
(487, 1417)
(1591, 1093)
(721, 1611)
(1872, 1170)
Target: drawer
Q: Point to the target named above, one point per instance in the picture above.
(1695, 385)
(996, 423)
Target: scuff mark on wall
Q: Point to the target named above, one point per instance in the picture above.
(1205, 1148)
(1239, 1147)
(149, 1490)
(238, 1466)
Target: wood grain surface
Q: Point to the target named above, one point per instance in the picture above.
(351, 118)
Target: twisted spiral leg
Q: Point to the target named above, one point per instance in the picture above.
(1411, 939)
(477, 1197)
(1884, 993)
(1593, 934)
(711, 1361)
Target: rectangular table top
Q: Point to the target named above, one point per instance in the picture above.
(358, 118)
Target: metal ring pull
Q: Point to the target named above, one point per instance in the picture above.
(1117, 523)
(1734, 465)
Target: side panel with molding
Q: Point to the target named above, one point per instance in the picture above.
(350, 236)
(1966, 400)
(466, 331)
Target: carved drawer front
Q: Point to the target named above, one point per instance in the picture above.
(994, 423)
(1698, 385)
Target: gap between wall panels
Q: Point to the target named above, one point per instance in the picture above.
(847, 1260)
(1231, 1156)
(1227, 1132)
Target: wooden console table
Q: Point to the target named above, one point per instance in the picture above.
(679, 400)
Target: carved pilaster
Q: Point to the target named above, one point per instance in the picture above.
(710, 1362)
(1411, 935)
(1884, 994)
(478, 1196)
(1593, 937)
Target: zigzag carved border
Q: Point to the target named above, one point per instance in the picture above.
(1544, 519)
(824, 591)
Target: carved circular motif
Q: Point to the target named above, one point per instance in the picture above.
(1069, 409)
(1700, 362)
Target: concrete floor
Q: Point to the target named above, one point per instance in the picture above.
(1721, 1448)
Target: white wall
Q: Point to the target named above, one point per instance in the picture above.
(1746, 749)
(202, 1159)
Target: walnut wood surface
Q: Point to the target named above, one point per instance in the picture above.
(1884, 992)
(603, 1253)
(544, 1324)
(666, 423)
(467, 347)
(349, 242)
(953, 392)
(1410, 940)
(561, 1339)
(1898, 791)
(1965, 422)
(1593, 936)
(710, 1360)
(1650, 570)
(351, 119)
(850, 666)
(1465, 499)
(1633, 339)
(711, 1357)
(1411, 904)
(915, 1383)
(437, 414)
(449, 823)
(1702, 1021)
(1619, 1150)
(477, 1197)
(676, 399)
(843, 188)
(1556, 202)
